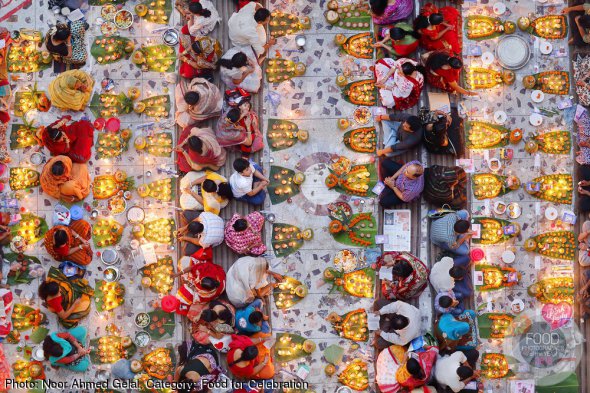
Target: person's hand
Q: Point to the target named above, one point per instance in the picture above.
(379, 118)
(266, 359)
(381, 152)
(178, 149)
(377, 312)
(265, 182)
(377, 332)
(187, 190)
(183, 238)
(476, 374)
(577, 18)
(377, 45)
(86, 351)
(272, 41)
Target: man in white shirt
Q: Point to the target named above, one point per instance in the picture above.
(246, 28)
(456, 370)
(400, 322)
(445, 273)
(207, 230)
(247, 182)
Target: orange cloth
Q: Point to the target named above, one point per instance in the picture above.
(81, 257)
(72, 186)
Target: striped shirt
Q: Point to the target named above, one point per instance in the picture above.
(442, 231)
(212, 234)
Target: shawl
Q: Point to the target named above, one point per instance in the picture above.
(208, 106)
(212, 152)
(62, 92)
(245, 276)
(231, 134)
(244, 30)
(212, 202)
(201, 26)
(74, 182)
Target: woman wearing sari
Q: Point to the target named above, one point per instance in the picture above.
(249, 278)
(410, 276)
(71, 90)
(62, 179)
(244, 234)
(249, 358)
(239, 126)
(198, 56)
(69, 298)
(197, 100)
(70, 243)
(201, 17)
(399, 370)
(67, 350)
(239, 68)
(198, 366)
(207, 191)
(74, 140)
(203, 280)
(439, 28)
(404, 40)
(215, 320)
(385, 12)
(400, 82)
(198, 149)
(443, 71)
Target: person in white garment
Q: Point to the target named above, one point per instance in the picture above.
(456, 370)
(400, 323)
(246, 28)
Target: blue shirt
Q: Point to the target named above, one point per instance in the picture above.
(243, 324)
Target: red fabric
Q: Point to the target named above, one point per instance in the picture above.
(401, 104)
(55, 304)
(81, 136)
(426, 360)
(203, 254)
(183, 165)
(203, 269)
(405, 50)
(443, 78)
(62, 250)
(239, 343)
(4, 117)
(243, 3)
(451, 39)
(170, 303)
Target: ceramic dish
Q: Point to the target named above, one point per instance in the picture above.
(545, 47)
(514, 210)
(362, 115)
(135, 215)
(537, 96)
(494, 164)
(487, 58)
(346, 260)
(117, 205)
(500, 117)
(108, 12)
(536, 119)
(37, 159)
(108, 28)
(551, 213)
(517, 306)
(123, 19)
(500, 207)
(499, 8)
(109, 257)
(508, 257)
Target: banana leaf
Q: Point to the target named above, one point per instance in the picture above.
(278, 192)
(161, 325)
(21, 276)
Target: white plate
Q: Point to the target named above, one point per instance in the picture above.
(545, 47)
(494, 164)
(517, 306)
(551, 213)
(487, 58)
(508, 257)
(499, 8)
(536, 119)
(514, 210)
(500, 117)
(537, 96)
(500, 207)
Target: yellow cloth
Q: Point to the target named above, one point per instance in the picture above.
(63, 93)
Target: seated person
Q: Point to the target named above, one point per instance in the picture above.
(66, 349)
(71, 90)
(439, 28)
(443, 71)
(249, 278)
(201, 17)
(68, 297)
(457, 370)
(239, 127)
(451, 232)
(399, 323)
(239, 68)
(198, 150)
(67, 45)
(581, 25)
(246, 28)
(250, 319)
(452, 274)
(62, 179)
(204, 231)
(403, 183)
(249, 358)
(443, 132)
(244, 234)
(410, 276)
(247, 182)
(404, 40)
(400, 82)
(196, 101)
(197, 364)
(448, 302)
(206, 191)
(203, 280)
(584, 189)
(385, 12)
(74, 140)
(456, 332)
(445, 186)
(583, 245)
(198, 56)
(70, 243)
(214, 319)
(401, 133)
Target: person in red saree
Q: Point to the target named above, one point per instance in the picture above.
(402, 39)
(410, 276)
(400, 82)
(240, 126)
(198, 149)
(70, 243)
(417, 368)
(203, 280)
(439, 28)
(249, 358)
(74, 140)
(214, 319)
(443, 71)
(198, 56)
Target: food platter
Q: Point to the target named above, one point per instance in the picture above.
(537, 96)
(111, 274)
(171, 37)
(108, 12)
(345, 260)
(513, 52)
(123, 19)
(135, 215)
(500, 207)
(142, 320)
(514, 210)
(362, 115)
(108, 28)
(142, 339)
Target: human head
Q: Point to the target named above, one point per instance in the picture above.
(584, 21)
(402, 269)
(240, 225)
(58, 168)
(445, 301)
(48, 288)
(195, 227)
(209, 185)
(239, 60)
(196, 8)
(62, 33)
(457, 272)
(248, 353)
(398, 322)
(208, 315)
(412, 124)
(195, 144)
(233, 115)
(224, 190)
(435, 19)
(378, 6)
(262, 16)
(242, 166)
(256, 317)
(51, 348)
(196, 47)
(461, 226)
(210, 283)
(414, 368)
(191, 97)
(54, 133)
(415, 170)
(455, 62)
(60, 237)
(464, 372)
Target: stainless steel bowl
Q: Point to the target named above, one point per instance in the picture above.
(171, 37)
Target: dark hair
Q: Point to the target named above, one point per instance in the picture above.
(62, 33)
(255, 317)
(455, 62)
(398, 321)
(423, 22)
(414, 368)
(248, 353)
(397, 33)
(58, 168)
(440, 125)
(439, 59)
(196, 47)
(197, 9)
(584, 21)
(457, 272)
(240, 225)
(241, 164)
(261, 15)
(464, 372)
(209, 185)
(225, 315)
(233, 115)
(48, 288)
(414, 122)
(60, 237)
(409, 68)
(191, 97)
(224, 190)
(210, 283)
(208, 315)
(461, 226)
(51, 348)
(195, 227)
(378, 6)
(237, 60)
(402, 269)
(54, 133)
(195, 144)
(445, 301)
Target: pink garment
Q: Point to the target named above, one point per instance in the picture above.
(248, 241)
